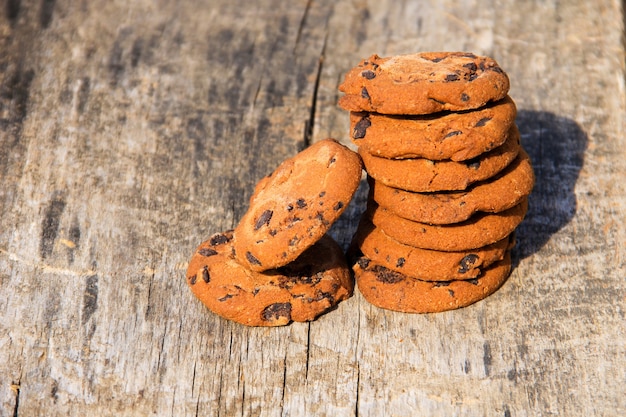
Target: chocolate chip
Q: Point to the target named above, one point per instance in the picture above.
(273, 232)
(320, 216)
(451, 293)
(301, 203)
(364, 93)
(254, 261)
(400, 262)
(453, 133)
(435, 60)
(386, 275)
(452, 77)
(264, 219)
(360, 128)
(470, 66)
(207, 252)
(482, 122)
(276, 311)
(226, 297)
(464, 97)
(338, 206)
(192, 279)
(467, 262)
(293, 241)
(219, 239)
(205, 275)
(368, 74)
(322, 194)
(289, 207)
(363, 262)
(331, 161)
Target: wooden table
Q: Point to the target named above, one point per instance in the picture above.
(131, 131)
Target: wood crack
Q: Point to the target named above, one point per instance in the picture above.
(310, 123)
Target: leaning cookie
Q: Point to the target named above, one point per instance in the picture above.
(392, 290)
(424, 175)
(457, 136)
(311, 285)
(427, 264)
(480, 230)
(296, 205)
(494, 195)
(423, 83)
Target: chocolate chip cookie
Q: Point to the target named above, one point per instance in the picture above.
(425, 175)
(423, 83)
(496, 194)
(296, 204)
(426, 264)
(311, 285)
(457, 136)
(395, 291)
(480, 230)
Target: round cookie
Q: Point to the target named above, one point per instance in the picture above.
(480, 230)
(423, 83)
(426, 264)
(424, 175)
(456, 136)
(296, 204)
(317, 281)
(394, 291)
(496, 194)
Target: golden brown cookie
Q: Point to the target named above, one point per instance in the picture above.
(424, 175)
(480, 230)
(314, 283)
(296, 204)
(423, 83)
(426, 264)
(496, 194)
(394, 291)
(457, 136)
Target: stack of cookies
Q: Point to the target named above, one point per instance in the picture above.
(448, 179)
(279, 265)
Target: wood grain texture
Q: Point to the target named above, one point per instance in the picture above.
(131, 131)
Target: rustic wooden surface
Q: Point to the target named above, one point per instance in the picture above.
(130, 131)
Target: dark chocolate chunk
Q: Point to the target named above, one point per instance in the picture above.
(192, 279)
(400, 262)
(452, 77)
(451, 293)
(254, 261)
(470, 66)
(219, 239)
(368, 74)
(289, 207)
(386, 275)
(276, 311)
(453, 133)
(364, 93)
(205, 275)
(301, 203)
(226, 297)
(435, 60)
(263, 220)
(464, 97)
(363, 262)
(482, 122)
(293, 241)
(360, 128)
(207, 252)
(322, 194)
(467, 262)
(338, 206)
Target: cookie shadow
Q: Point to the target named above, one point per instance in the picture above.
(556, 146)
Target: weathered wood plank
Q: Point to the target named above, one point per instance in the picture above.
(129, 132)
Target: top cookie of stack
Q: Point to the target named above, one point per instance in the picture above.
(448, 178)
